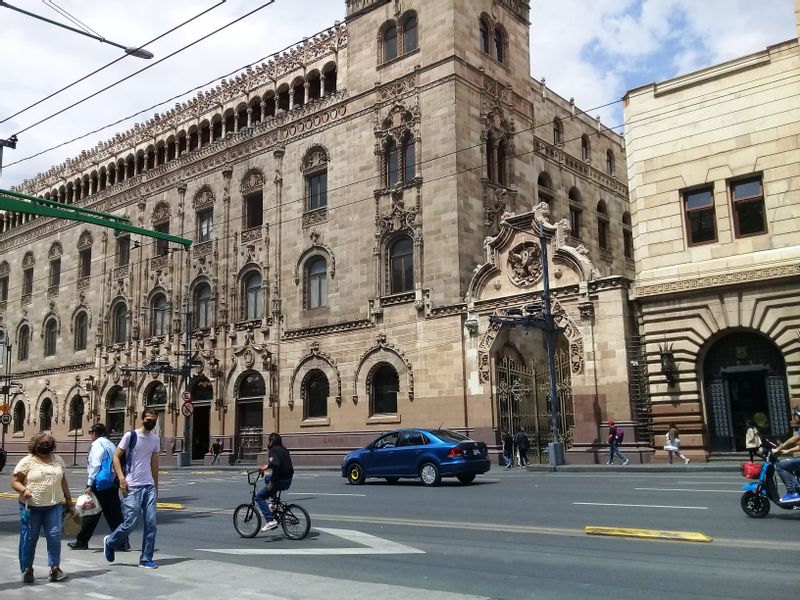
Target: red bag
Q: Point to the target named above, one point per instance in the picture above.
(751, 470)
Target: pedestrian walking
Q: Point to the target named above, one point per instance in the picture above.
(138, 482)
(40, 480)
(672, 443)
(752, 439)
(615, 437)
(216, 450)
(100, 458)
(508, 449)
(522, 443)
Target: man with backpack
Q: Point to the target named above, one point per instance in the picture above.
(101, 482)
(138, 481)
(615, 437)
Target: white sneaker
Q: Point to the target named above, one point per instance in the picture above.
(269, 526)
(686, 461)
(609, 462)
(626, 461)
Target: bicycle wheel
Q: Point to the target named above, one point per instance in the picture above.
(295, 522)
(246, 520)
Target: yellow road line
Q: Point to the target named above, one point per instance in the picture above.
(648, 534)
(161, 505)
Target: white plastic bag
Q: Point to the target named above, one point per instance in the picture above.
(87, 505)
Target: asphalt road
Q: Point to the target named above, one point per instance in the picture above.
(511, 535)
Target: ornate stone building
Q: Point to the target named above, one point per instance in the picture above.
(360, 206)
(712, 163)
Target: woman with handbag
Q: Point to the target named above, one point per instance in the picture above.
(672, 443)
(40, 479)
(752, 439)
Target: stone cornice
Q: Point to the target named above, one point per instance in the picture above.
(557, 155)
(325, 44)
(54, 370)
(294, 334)
(690, 284)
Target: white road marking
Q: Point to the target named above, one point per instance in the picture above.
(371, 545)
(641, 505)
(319, 494)
(100, 596)
(649, 489)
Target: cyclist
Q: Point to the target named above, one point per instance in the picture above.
(280, 479)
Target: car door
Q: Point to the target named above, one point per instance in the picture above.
(409, 447)
(380, 458)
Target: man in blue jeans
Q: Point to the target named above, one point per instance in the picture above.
(138, 482)
(280, 479)
(789, 469)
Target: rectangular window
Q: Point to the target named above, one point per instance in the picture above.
(627, 240)
(317, 190)
(205, 223)
(701, 223)
(253, 210)
(27, 282)
(3, 289)
(747, 196)
(55, 272)
(123, 250)
(575, 222)
(162, 246)
(85, 263)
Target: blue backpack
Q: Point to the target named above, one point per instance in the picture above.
(105, 479)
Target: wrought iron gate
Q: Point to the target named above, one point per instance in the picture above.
(522, 395)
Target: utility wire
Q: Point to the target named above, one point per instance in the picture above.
(113, 62)
(75, 20)
(150, 66)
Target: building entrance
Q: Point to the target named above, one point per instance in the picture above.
(745, 378)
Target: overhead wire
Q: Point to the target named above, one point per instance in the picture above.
(113, 62)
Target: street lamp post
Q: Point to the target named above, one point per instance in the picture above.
(131, 51)
(5, 367)
(76, 418)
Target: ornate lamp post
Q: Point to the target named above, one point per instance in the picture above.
(75, 418)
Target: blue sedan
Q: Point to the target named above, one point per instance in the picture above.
(429, 454)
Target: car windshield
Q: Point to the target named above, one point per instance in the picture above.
(450, 436)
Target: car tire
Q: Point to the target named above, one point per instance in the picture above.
(429, 473)
(392, 479)
(466, 477)
(355, 474)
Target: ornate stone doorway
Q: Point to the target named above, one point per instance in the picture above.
(745, 378)
(522, 399)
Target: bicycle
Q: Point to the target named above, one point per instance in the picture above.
(293, 518)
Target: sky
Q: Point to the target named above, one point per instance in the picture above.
(589, 50)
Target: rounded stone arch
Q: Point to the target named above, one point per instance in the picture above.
(315, 249)
(47, 401)
(28, 260)
(56, 251)
(242, 277)
(315, 360)
(330, 74)
(155, 395)
(317, 156)
(162, 213)
(252, 181)
(203, 198)
(574, 195)
(382, 352)
(51, 316)
(85, 240)
(20, 413)
(78, 309)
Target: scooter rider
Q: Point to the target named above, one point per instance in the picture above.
(789, 469)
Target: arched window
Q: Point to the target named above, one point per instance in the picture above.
(117, 402)
(315, 393)
(401, 265)
(50, 336)
(409, 157)
(410, 39)
(627, 235)
(499, 45)
(484, 29)
(19, 417)
(610, 168)
(202, 306)
(317, 283)
(158, 306)
(46, 415)
(575, 213)
(585, 148)
(602, 225)
(23, 336)
(253, 306)
(383, 391)
(545, 188)
(75, 412)
(156, 395)
(315, 170)
(119, 323)
(558, 131)
(390, 43)
(202, 390)
(81, 330)
(392, 163)
(252, 386)
(501, 162)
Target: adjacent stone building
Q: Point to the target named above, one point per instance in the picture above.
(360, 206)
(713, 167)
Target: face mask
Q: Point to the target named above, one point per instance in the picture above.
(149, 425)
(44, 448)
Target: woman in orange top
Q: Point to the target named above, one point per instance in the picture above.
(40, 479)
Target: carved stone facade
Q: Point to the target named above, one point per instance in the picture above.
(722, 301)
(378, 293)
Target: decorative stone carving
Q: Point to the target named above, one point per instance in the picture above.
(204, 198)
(381, 344)
(28, 261)
(525, 263)
(56, 251)
(397, 219)
(85, 241)
(315, 217)
(315, 158)
(161, 214)
(252, 181)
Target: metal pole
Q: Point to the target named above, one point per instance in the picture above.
(6, 387)
(75, 445)
(556, 447)
(186, 455)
